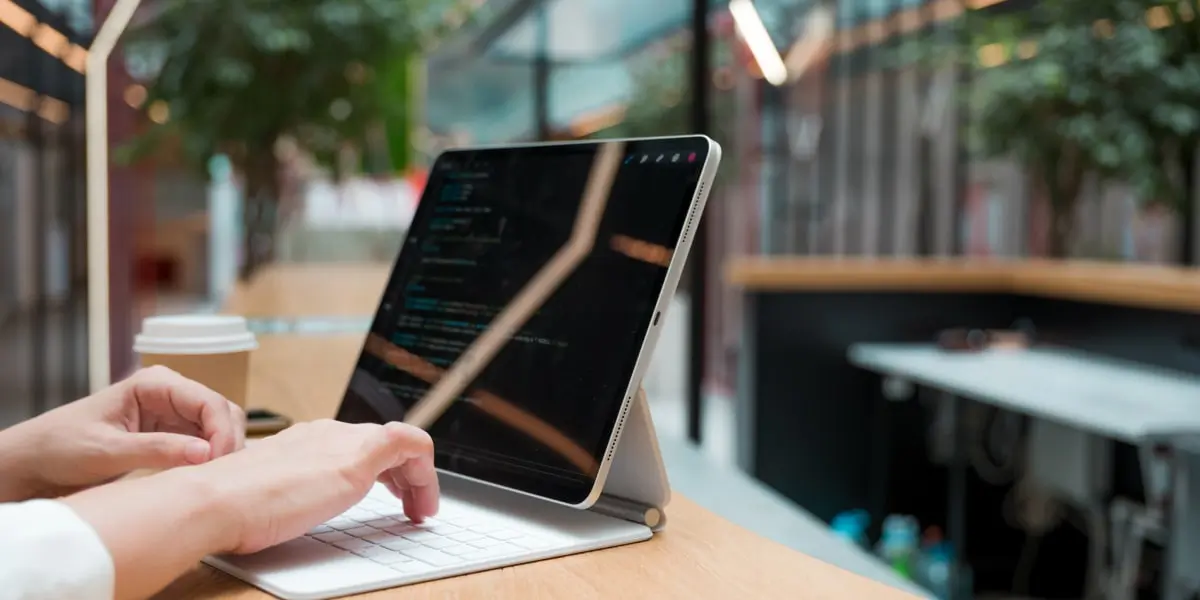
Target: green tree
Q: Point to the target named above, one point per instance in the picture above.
(1071, 87)
(238, 75)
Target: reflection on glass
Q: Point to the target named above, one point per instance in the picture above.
(505, 328)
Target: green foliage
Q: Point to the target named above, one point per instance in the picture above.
(1104, 86)
(238, 74)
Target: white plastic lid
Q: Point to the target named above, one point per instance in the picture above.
(194, 334)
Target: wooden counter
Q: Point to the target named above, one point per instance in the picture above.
(1170, 288)
(699, 555)
(311, 290)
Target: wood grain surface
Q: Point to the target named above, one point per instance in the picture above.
(1143, 286)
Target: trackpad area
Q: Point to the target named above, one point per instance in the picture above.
(305, 568)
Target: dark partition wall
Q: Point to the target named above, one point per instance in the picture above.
(815, 425)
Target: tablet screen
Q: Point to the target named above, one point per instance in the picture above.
(539, 417)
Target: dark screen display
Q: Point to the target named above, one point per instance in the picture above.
(538, 418)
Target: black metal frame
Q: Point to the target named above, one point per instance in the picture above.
(701, 78)
(541, 75)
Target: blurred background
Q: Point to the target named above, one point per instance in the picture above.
(863, 140)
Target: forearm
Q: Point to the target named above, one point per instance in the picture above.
(17, 479)
(156, 527)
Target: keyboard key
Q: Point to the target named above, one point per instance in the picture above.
(459, 549)
(530, 542)
(444, 529)
(382, 523)
(419, 536)
(400, 529)
(503, 534)
(361, 531)
(332, 537)
(432, 557)
(379, 537)
(400, 544)
(341, 523)
(320, 529)
(383, 556)
(487, 528)
(466, 536)
(353, 544)
(485, 543)
(440, 542)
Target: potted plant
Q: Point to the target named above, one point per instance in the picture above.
(234, 77)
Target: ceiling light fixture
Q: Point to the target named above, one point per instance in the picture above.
(762, 47)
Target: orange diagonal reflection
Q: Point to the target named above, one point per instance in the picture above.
(642, 250)
(498, 408)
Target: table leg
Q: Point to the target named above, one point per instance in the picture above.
(877, 486)
(1181, 576)
(956, 501)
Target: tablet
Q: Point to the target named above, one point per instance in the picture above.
(542, 418)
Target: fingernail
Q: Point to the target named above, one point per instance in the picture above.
(196, 451)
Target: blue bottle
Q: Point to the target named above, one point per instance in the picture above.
(937, 561)
(852, 526)
(898, 544)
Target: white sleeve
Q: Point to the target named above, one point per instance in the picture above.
(47, 551)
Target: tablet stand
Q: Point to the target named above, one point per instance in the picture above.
(636, 488)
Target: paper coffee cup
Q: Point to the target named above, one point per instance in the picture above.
(211, 349)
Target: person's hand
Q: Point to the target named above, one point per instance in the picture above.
(275, 490)
(155, 419)
(280, 487)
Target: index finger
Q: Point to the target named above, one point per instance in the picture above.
(407, 469)
(166, 391)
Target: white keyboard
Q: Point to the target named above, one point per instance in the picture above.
(374, 546)
(376, 529)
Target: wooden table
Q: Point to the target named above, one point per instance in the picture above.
(699, 555)
(311, 290)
